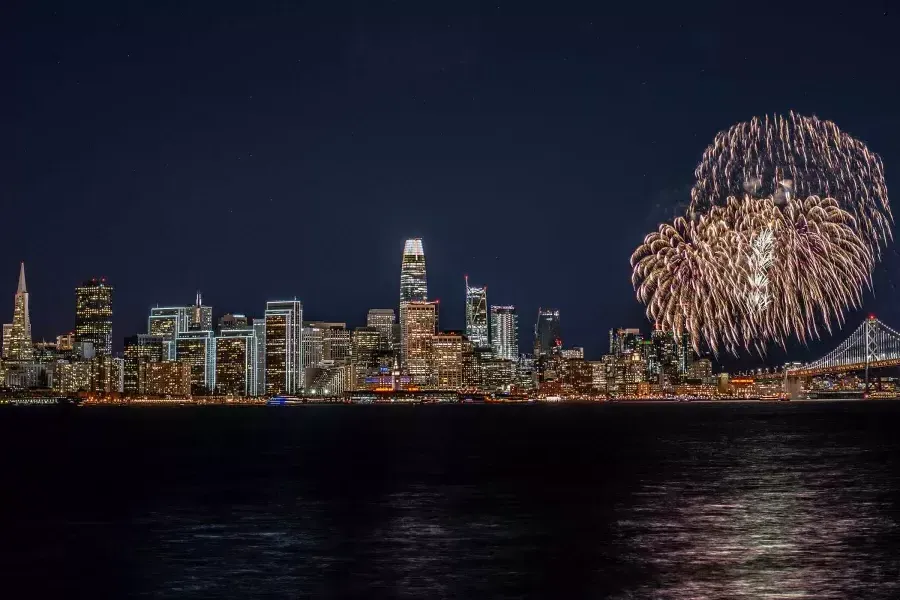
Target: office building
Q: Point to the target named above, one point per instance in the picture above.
(383, 320)
(477, 315)
(166, 378)
(140, 349)
(330, 342)
(447, 349)
(624, 341)
(505, 332)
(413, 281)
(93, 315)
(168, 322)
(572, 353)
(364, 351)
(198, 350)
(313, 346)
(284, 351)
(547, 336)
(72, 377)
(17, 343)
(65, 342)
(232, 321)
(201, 315)
(259, 328)
(419, 327)
(106, 374)
(236, 355)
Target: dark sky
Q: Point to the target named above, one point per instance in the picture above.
(262, 150)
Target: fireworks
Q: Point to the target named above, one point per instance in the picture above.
(787, 220)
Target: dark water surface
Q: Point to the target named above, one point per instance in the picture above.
(656, 501)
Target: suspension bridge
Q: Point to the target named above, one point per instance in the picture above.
(873, 345)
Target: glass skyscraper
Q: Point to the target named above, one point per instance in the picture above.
(383, 319)
(284, 350)
(505, 332)
(93, 315)
(546, 332)
(476, 315)
(413, 286)
(418, 330)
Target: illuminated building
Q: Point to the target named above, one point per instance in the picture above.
(624, 341)
(93, 315)
(65, 342)
(505, 332)
(141, 348)
(570, 353)
(236, 355)
(313, 346)
(685, 354)
(284, 351)
(546, 332)
(201, 315)
(331, 342)
(419, 326)
(106, 374)
(168, 322)
(701, 370)
(198, 350)
(72, 377)
(364, 350)
(477, 315)
(232, 321)
(598, 375)
(166, 378)
(259, 328)
(329, 380)
(383, 320)
(496, 374)
(577, 374)
(447, 360)
(413, 285)
(17, 344)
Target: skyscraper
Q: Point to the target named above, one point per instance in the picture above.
(201, 315)
(259, 328)
(477, 315)
(167, 322)
(546, 332)
(418, 330)
(236, 355)
(447, 360)
(413, 283)
(139, 350)
(17, 344)
(505, 332)
(363, 355)
(93, 315)
(382, 319)
(233, 321)
(198, 349)
(624, 341)
(284, 351)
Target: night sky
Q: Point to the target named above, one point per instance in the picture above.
(260, 151)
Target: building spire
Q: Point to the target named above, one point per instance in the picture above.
(199, 298)
(21, 289)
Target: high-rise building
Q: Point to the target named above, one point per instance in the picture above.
(505, 332)
(576, 352)
(17, 344)
(419, 326)
(233, 321)
(477, 315)
(198, 349)
(65, 342)
(236, 355)
(141, 349)
(330, 343)
(167, 322)
(259, 328)
(547, 332)
(364, 352)
(284, 350)
(624, 341)
(383, 319)
(685, 352)
(93, 315)
(201, 315)
(413, 282)
(313, 346)
(448, 348)
(166, 378)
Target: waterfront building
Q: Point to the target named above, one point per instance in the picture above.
(139, 349)
(259, 328)
(701, 370)
(17, 343)
(477, 315)
(505, 332)
(166, 378)
(198, 350)
(448, 348)
(201, 315)
(313, 346)
(547, 335)
(364, 351)
(93, 315)
(419, 327)
(107, 373)
(496, 374)
(383, 321)
(232, 321)
(236, 355)
(72, 377)
(413, 285)
(284, 350)
(332, 341)
(328, 380)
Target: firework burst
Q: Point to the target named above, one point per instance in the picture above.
(787, 221)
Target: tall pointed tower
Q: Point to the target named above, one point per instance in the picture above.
(18, 346)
